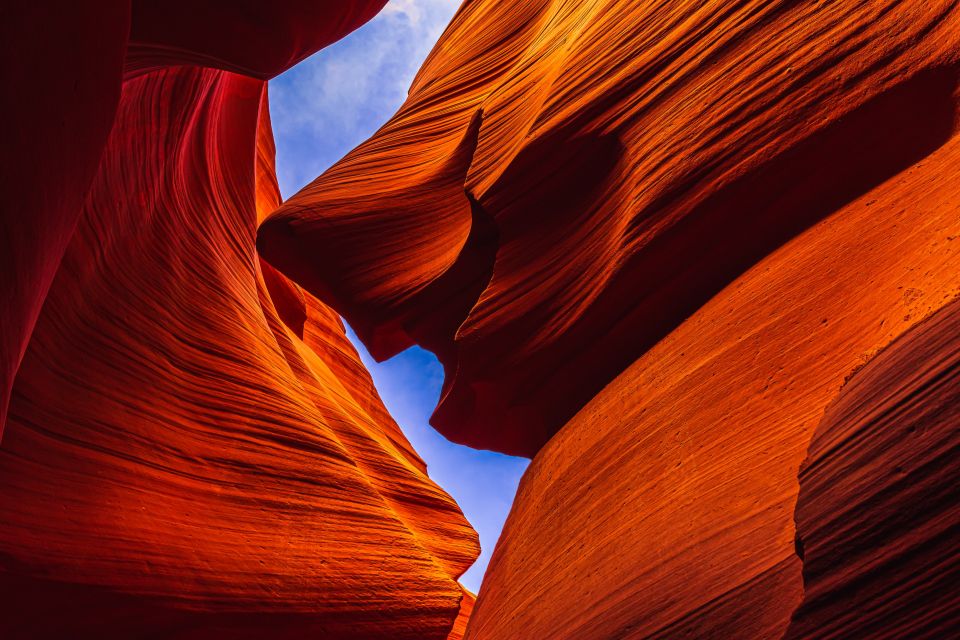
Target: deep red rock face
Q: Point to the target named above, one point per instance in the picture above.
(193, 447)
(70, 59)
(246, 481)
(51, 148)
(258, 39)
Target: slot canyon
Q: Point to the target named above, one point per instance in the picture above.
(698, 261)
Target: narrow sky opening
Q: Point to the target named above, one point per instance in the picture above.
(323, 108)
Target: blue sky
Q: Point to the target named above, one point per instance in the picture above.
(336, 99)
(323, 108)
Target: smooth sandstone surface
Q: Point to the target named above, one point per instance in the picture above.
(650, 241)
(666, 507)
(193, 447)
(569, 181)
(255, 38)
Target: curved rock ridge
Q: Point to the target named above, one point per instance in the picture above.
(665, 508)
(670, 250)
(259, 39)
(193, 447)
(78, 56)
(466, 609)
(877, 518)
(568, 181)
(178, 458)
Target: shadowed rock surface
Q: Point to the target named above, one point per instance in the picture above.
(877, 518)
(193, 447)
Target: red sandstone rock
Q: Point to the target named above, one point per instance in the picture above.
(177, 459)
(466, 609)
(684, 225)
(259, 39)
(673, 491)
(67, 60)
(60, 66)
(650, 241)
(193, 447)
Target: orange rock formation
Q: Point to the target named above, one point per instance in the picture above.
(466, 609)
(570, 180)
(670, 250)
(650, 240)
(193, 448)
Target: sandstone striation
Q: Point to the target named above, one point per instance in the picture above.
(877, 515)
(674, 490)
(77, 57)
(568, 181)
(193, 447)
(697, 259)
(50, 154)
(650, 241)
(466, 610)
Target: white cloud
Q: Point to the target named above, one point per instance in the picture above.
(409, 8)
(337, 98)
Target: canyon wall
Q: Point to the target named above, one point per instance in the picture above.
(650, 241)
(697, 260)
(193, 447)
(67, 60)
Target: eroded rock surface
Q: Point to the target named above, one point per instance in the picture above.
(877, 518)
(569, 181)
(193, 447)
(670, 250)
(650, 241)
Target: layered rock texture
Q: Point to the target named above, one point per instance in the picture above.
(69, 58)
(697, 259)
(192, 448)
(466, 610)
(876, 516)
(650, 241)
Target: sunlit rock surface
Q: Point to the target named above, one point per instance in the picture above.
(570, 180)
(650, 241)
(697, 259)
(193, 448)
(466, 609)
